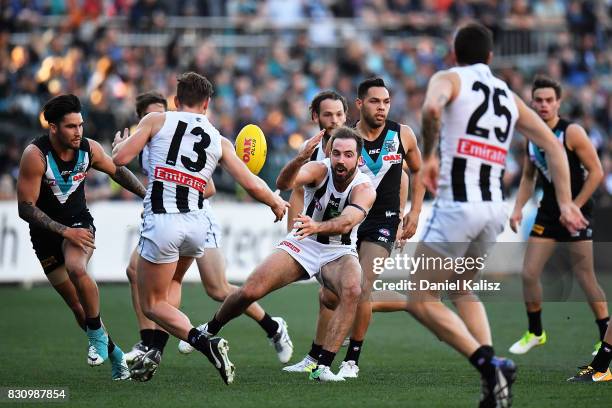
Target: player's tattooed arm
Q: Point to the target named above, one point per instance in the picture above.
(124, 177)
(442, 89)
(31, 171)
(36, 217)
(431, 124)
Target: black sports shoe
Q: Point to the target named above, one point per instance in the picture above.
(498, 393)
(145, 366)
(216, 350)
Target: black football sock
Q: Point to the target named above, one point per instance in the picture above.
(160, 338)
(535, 322)
(482, 360)
(353, 351)
(146, 337)
(93, 323)
(315, 350)
(214, 326)
(111, 345)
(270, 326)
(602, 359)
(602, 325)
(326, 358)
(197, 339)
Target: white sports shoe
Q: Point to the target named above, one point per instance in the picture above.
(93, 358)
(137, 351)
(324, 373)
(281, 341)
(305, 366)
(186, 348)
(348, 369)
(527, 342)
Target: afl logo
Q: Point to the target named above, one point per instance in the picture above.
(384, 232)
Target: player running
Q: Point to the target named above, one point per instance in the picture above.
(184, 149)
(51, 195)
(585, 174)
(211, 268)
(474, 115)
(322, 244)
(387, 147)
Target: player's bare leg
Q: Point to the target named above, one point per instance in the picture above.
(278, 270)
(154, 282)
(368, 251)
(581, 253)
(63, 285)
(212, 273)
(537, 254)
(146, 327)
(343, 277)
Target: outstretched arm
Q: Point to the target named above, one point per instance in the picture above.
(287, 175)
(124, 177)
(361, 200)
(255, 186)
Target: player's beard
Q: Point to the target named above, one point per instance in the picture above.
(345, 176)
(372, 122)
(67, 141)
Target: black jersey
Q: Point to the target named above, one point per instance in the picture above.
(62, 187)
(548, 204)
(381, 159)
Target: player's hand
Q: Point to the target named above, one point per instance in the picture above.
(81, 237)
(399, 241)
(120, 138)
(311, 145)
(411, 222)
(279, 206)
(430, 173)
(515, 219)
(572, 218)
(305, 226)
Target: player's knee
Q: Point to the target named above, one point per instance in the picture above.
(530, 276)
(327, 299)
(218, 293)
(76, 271)
(250, 293)
(351, 292)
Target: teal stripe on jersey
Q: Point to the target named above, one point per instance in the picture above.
(375, 166)
(63, 185)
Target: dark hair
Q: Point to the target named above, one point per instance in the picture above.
(473, 44)
(315, 105)
(145, 99)
(344, 132)
(56, 108)
(364, 86)
(193, 89)
(542, 81)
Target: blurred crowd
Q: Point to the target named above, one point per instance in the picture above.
(106, 53)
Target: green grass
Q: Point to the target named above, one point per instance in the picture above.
(402, 363)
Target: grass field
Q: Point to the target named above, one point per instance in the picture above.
(402, 363)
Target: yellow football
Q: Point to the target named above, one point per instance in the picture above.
(251, 147)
